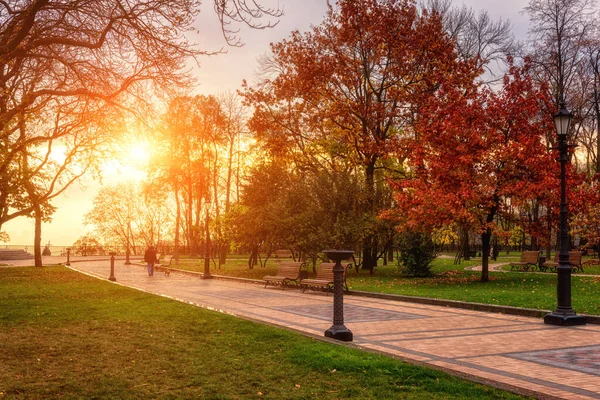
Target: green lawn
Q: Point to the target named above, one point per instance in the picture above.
(451, 282)
(66, 335)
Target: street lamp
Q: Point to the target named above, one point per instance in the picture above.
(564, 314)
(206, 274)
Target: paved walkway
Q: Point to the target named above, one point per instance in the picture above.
(517, 353)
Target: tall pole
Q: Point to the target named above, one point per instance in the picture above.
(564, 315)
(206, 274)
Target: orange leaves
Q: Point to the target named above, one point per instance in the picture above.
(479, 151)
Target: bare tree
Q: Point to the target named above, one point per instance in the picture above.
(477, 36)
(558, 34)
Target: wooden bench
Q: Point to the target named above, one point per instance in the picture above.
(324, 279)
(165, 264)
(528, 259)
(166, 261)
(574, 260)
(284, 254)
(288, 272)
(591, 262)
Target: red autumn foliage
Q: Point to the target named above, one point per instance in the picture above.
(479, 154)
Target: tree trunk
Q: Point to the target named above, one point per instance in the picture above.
(253, 260)
(485, 240)
(369, 242)
(465, 244)
(37, 240)
(485, 254)
(177, 224)
(597, 110)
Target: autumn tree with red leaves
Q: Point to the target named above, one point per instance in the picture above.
(351, 89)
(479, 154)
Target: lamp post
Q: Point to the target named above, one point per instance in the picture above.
(564, 314)
(206, 274)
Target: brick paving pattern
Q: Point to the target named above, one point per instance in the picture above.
(517, 353)
(351, 313)
(584, 359)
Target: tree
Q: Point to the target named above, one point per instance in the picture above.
(87, 245)
(558, 33)
(234, 128)
(189, 139)
(352, 86)
(67, 66)
(120, 218)
(479, 156)
(305, 211)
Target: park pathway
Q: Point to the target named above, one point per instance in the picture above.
(513, 352)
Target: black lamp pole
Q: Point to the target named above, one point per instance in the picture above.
(564, 314)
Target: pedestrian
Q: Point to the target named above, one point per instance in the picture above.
(150, 259)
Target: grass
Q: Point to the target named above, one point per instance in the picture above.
(453, 282)
(67, 335)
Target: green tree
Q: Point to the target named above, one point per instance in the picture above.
(352, 86)
(87, 245)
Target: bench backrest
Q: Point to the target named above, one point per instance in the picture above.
(168, 259)
(530, 257)
(325, 271)
(284, 254)
(290, 269)
(574, 257)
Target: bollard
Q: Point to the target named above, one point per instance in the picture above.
(112, 267)
(338, 330)
(68, 256)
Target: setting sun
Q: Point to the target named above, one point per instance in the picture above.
(138, 153)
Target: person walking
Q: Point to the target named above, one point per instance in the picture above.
(150, 259)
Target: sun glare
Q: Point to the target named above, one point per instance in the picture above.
(131, 163)
(138, 153)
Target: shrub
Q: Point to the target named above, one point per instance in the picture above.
(417, 251)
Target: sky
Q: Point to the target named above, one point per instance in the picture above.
(218, 74)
